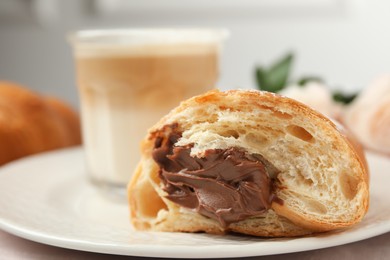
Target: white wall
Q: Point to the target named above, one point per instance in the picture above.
(346, 42)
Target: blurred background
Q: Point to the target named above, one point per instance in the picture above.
(345, 42)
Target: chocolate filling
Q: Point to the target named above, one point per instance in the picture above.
(227, 185)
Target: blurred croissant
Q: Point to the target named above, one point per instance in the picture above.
(30, 123)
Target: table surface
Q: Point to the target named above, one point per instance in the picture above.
(12, 247)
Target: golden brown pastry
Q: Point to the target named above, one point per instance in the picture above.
(30, 123)
(249, 162)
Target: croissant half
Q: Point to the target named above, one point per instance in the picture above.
(250, 162)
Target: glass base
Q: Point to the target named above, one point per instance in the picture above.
(110, 190)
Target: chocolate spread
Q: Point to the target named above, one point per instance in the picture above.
(227, 185)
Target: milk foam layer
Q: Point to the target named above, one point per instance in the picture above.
(146, 42)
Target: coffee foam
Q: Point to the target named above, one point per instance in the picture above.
(90, 50)
(151, 42)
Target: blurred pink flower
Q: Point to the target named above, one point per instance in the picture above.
(368, 117)
(315, 95)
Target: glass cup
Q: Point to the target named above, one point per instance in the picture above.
(127, 80)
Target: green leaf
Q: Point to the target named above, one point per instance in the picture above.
(302, 81)
(261, 78)
(276, 77)
(279, 73)
(344, 98)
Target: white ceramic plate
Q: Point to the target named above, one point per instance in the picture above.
(47, 199)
